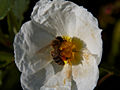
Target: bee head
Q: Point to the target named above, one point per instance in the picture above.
(60, 38)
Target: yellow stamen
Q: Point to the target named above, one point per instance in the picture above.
(65, 62)
(67, 48)
(67, 38)
(71, 50)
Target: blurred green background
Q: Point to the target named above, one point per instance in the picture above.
(13, 13)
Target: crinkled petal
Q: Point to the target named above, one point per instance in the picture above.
(31, 48)
(36, 80)
(51, 19)
(86, 74)
(59, 81)
(56, 15)
(88, 31)
(66, 18)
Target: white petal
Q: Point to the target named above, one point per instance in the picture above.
(36, 80)
(59, 81)
(86, 74)
(28, 41)
(56, 15)
(85, 26)
(67, 18)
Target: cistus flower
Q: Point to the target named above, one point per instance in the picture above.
(60, 48)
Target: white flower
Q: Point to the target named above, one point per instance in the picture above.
(32, 45)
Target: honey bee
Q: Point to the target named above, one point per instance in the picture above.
(55, 53)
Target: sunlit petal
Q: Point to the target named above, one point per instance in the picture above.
(33, 48)
(60, 81)
(67, 18)
(86, 74)
(56, 15)
(27, 44)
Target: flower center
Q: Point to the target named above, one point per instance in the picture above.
(66, 50)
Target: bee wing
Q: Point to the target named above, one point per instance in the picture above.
(44, 49)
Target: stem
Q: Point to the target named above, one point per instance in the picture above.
(104, 78)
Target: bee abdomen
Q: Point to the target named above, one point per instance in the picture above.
(58, 60)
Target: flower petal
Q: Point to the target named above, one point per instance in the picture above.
(86, 28)
(60, 81)
(36, 80)
(66, 18)
(56, 15)
(27, 43)
(86, 74)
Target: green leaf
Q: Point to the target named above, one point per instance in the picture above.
(5, 59)
(115, 44)
(4, 39)
(116, 39)
(5, 6)
(15, 17)
(10, 78)
(20, 6)
(12, 25)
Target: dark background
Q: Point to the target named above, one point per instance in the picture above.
(13, 13)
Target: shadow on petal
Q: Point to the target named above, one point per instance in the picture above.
(36, 80)
(74, 86)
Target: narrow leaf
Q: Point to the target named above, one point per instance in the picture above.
(20, 6)
(115, 44)
(5, 6)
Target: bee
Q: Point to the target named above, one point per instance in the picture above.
(55, 53)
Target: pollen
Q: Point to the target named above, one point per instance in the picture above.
(67, 50)
(70, 50)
